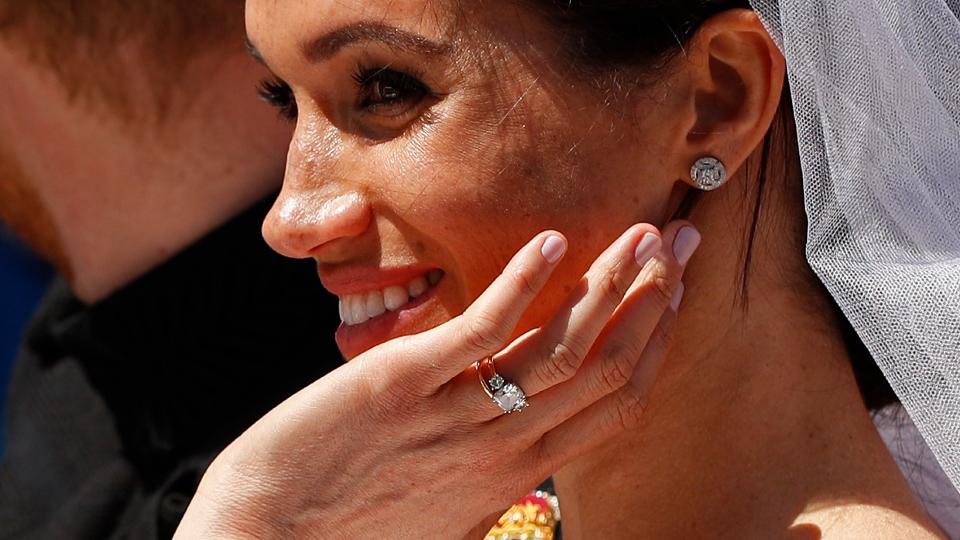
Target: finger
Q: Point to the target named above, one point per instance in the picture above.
(615, 413)
(615, 361)
(486, 326)
(623, 336)
(556, 351)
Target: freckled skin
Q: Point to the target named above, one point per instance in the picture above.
(514, 146)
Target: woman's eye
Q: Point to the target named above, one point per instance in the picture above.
(277, 93)
(389, 93)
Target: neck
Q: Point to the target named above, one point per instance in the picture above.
(755, 424)
(123, 196)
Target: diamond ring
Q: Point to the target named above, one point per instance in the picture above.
(508, 396)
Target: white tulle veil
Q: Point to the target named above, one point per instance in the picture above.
(876, 93)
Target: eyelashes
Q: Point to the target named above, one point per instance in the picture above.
(389, 92)
(386, 94)
(277, 93)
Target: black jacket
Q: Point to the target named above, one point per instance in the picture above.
(116, 409)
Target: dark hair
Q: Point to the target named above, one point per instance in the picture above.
(609, 34)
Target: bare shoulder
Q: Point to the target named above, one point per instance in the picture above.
(853, 521)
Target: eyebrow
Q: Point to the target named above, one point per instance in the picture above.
(325, 46)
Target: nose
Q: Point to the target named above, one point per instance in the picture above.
(300, 224)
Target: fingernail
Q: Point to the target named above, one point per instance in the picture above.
(677, 297)
(686, 242)
(648, 247)
(553, 248)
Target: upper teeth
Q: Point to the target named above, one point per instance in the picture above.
(359, 308)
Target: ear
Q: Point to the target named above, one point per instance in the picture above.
(736, 79)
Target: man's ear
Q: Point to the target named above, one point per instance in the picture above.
(736, 74)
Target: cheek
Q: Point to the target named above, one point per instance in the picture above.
(481, 194)
(476, 189)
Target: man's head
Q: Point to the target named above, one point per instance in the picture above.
(128, 130)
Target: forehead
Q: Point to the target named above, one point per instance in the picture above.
(279, 28)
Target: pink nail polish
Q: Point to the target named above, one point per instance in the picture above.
(648, 246)
(553, 248)
(686, 242)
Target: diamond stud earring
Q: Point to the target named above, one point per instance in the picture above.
(708, 173)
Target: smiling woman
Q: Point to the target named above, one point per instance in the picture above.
(433, 141)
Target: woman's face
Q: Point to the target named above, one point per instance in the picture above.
(434, 139)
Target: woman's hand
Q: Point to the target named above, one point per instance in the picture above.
(402, 442)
